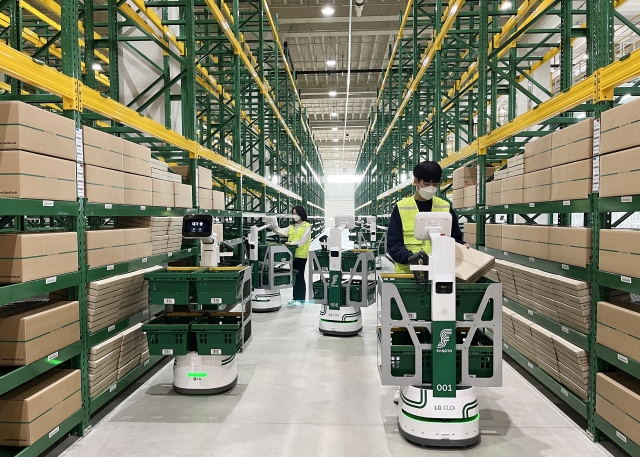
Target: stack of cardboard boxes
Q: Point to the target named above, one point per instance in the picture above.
(465, 180)
(205, 183)
(108, 247)
(618, 402)
(168, 189)
(166, 232)
(470, 232)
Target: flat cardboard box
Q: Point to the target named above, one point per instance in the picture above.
(102, 149)
(537, 154)
(570, 245)
(32, 331)
(470, 196)
(103, 385)
(494, 193)
(35, 408)
(103, 185)
(535, 241)
(573, 143)
(512, 238)
(618, 402)
(458, 198)
(162, 193)
(137, 243)
(513, 190)
(105, 247)
(28, 128)
(100, 350)
(619, 251)
(205, 198)
(182, 195)
(537, 186)
(205, 178)
(571, 181)
(28, 256)
(493, 236)
(619, 327)
(28, 175)
(136, 159)
(619, 128)
(471, 265)
(620, 174)
(219, 200)
(137, 190)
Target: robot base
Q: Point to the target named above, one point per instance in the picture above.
(347, 321)
(194, 374)
(265, 301)
(439, 422)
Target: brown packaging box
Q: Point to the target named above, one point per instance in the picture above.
(37, 407)
(137, 243)
(618, 402)
(537, 186)
(570, 245)
(619, 251)
(137, 190)
(494, 193)
(512, 238)
(28, 175)
(162, 193)
(104, 186)
(218, 200)
(32, 129)
(472, 265)
(513, 190)
(619, 327)
(470, 233)
(537, 154)
(619, 128)
(136, 159)
(493, 236)
(28, 256)
(105, 247)
(470, 196)
(32, 331)
(205, 178)
(458, 198)
(571, 181)
(464, 177)
(535, 241)
(572, 144)
(182, 195)
(102, 149)
(205, 198)
(620, 174)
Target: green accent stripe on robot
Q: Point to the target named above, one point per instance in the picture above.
(468, 407)
(453, 421)
(228, 361)
(419, 404)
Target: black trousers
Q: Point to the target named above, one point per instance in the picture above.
(300, 289)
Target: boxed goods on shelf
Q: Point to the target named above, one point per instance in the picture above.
(512, 238)
(464, 177)
(28, 175)
(137, 243)
(618, 402)
(138, 190)
(619, 327)
(205, 176)
(105, 247)
(471, 265)
(136, 159)
(572, 144)
(470, 232)
(162, 193)
(103, 185)
(537, 186)
(619, 173)
(103, 364)
(218, 200)
(102, 149)
(205, 198)
(546, 356)
(537, 154)
(494, 193)
(29, 256)
(535, 241)
(31, 331)
(501, 174)
(573, 363)
(515, 166)
(458, 198)
(570, 245)
(182, 195)
(28, 128)
(572, 181)
(493, 236)
(513, 190)
(160, 170)
(619, 249)
(470, 197)
(35, 408)
(619, 128)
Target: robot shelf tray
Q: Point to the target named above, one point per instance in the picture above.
(349, 260)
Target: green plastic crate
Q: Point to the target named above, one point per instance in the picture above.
(417, 298)
(218, 335)
(171, 286)
(349, 259)
(355, 291)
(170, 334)
(279, 256)
(220, 285)
(279, 280)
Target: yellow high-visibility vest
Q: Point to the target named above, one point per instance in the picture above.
(295, 234)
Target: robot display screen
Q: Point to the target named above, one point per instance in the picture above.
(197, 226)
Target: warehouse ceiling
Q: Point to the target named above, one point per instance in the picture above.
(313, 39)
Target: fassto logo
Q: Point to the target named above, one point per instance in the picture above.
(445, 334)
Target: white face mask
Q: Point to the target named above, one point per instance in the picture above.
(296, 217)
(427, 192)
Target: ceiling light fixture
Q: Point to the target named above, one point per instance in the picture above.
(334, 114)
(332, 93)
(331, 62)
(335, 140)
(334, 128)
(328, 10)
(505, 6)
(421, 113)
(96, 66)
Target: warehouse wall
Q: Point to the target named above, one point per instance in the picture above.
(339, 200)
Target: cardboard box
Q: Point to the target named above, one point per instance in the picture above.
(137, 190)
(458, 198)
(494, 193)
(513, 190)
(619, 327)
(493, 236)
(182, 195)
(472, 265)
(535, 241)
(162, 193)
(464, 177)
(537, 154)
(219, 230)
(572, 144)
(219, 200)
(570, 245)
(137, 243)
(512, 238)
(35, 408)
(205, 178)
(619, 251)
(470, 232)
(103, 185)
(619, 173)
(28, 175)
(618, 402)
(28, 128)
(571, 181)
(619, 128)
(28, 256)
(136, 159)
(32, 331)
(205, 198)
(105, 247)
(470, 196)
(102, 149)
(537, 186)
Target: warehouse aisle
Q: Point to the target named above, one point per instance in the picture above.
(302, 394)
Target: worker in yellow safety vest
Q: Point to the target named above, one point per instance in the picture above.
(401, 242)
(299, 235)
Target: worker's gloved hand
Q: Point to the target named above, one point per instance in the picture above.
(420, 258)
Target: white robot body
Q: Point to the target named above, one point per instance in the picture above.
(204, 375)
(347, 321)
(266, 301)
